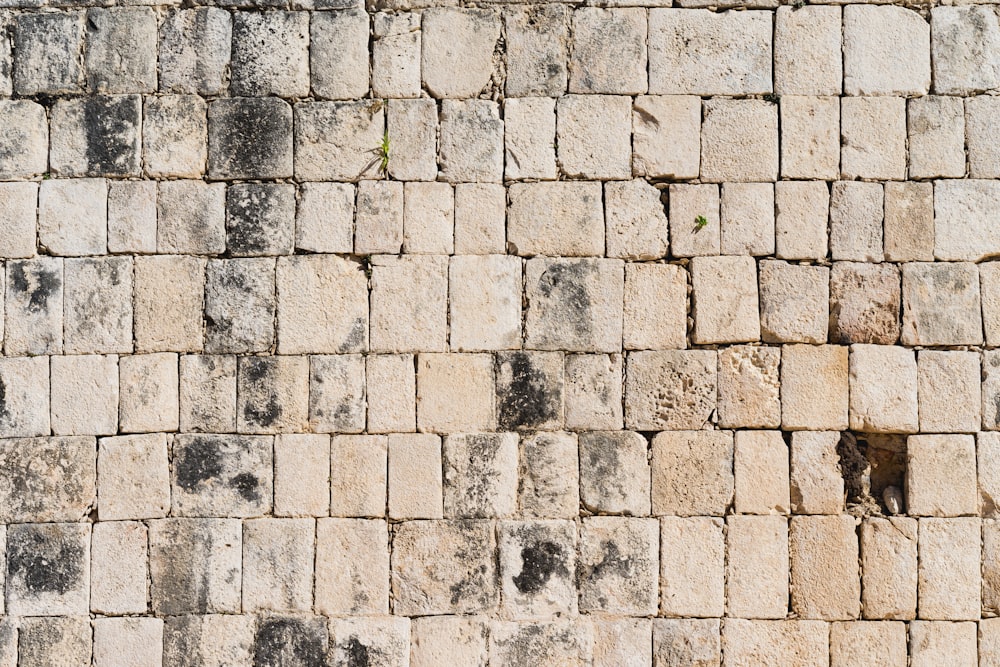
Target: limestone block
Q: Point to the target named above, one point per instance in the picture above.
(636, 221)
(221, 475)
(335, 140)
(251, 137)
(541, 643)
(480, 219)
(191, 217)
(470, 147)
(548, 476)
(412, 126)
(338, 53)
(302, 475)
(135, 477)
(990, 572)
(692, 472)
(97, 305)
(85, 395)
(107, 146)
(324, 220)
(810, 137)
(529, 138)
(965, 227)
(948, 390)
(121, 50)
(873, 138)
(887, 51)
(666, 131)
(614, 473)
(357, 476)
(573, 225)
(618, 566)
(73, 216)
(195, 565)
(686, 641)
(436, 640)
(195, 47)
(883, 383)
(444, 567)
(337, 393)
(689, 204)
(41, 42)
(655, 310)
(856, 211)
(670, 389)
(801, 219)
(387, 638)
(149, 393)
(941, 475)
(322, 305)
(48, 479)
(480, 475)
(222, 638)
(989, 282)
(396, 55)
(964, 41)
(391, 393)
(757, 566)
(988, 460)
(794, 302)
(207, 393)
(537, 49)
(574, 304)
(278, 565)
(608, 55)
(48, 570)
(622, 641)
(593, 391)
(128, 642)
(864, 303)
(18, 220)
(260, 219)
(824, 555)
(409, 303)
(936, 133)
(352, 557)
(54, 640)
(457, 47)
(991, 390)
(941, 304)
(724, 300)
(428, 218)
(939, 643)
(949, 582)
(378, 223)
(270, 54)
(989, 650)
(748, 387)
(739, 140)
(118, 568)
(760, 466)
(889, 567)
(529, 390)
(984, 157)
(415, 476)
(485, 302)
(537, 567)
(26, 397)
(747, 219)
(792, 642)
(856, 644)
(272, 394)
(692, 566)
(706, 53)
(447, 380)
(807, 51)
(817, 486)
(239, 305)
(24, 139)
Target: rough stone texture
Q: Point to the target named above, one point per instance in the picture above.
(457, 50)
(575, 226)
(859, 643)
(480, 475)
(415, 485)
(537, 566)
(692, 473)
(873, 138)
(807, 51)
(941, 475)
(864, 303)
(470, 147)
(886, 51)
(908, 232)
(692, 569)
(761, 474)
(689, 204)
(47, 479)
(655, 309)
(889, 568)
(964, 225)
(670, 389)
(883, 383)
(739, 141)
(815, 474)
(756, 567)
(936, 133)
(941, 304)
(352, 559)
(747, 219)
(948, 574)
(609, 51)
(615, 479)
(320, 308)
(749, 387)
(795, 302)
(801, 219)
(814, 384)
(948, 391)
(855, 214)
(592, 136)
(963, 41)
(443, 380)
(824, 557)
(724, 302)
(135, 477)
(666, 136)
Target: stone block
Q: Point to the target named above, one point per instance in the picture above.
(941, 304)
(857, 644)
(195, 566)
(748, 387)
(132, 217)
(119, 567)
(732, 54)
(470, 144)
(655, 307)
(435, 640)
(941, 475)
(480, 219)
(686, 641)
(965, 226)
(48, 479)
(988, 460)
(575, 226)
(338, 53)
(670, 389)
(574, 304)
(414, 477)
(692, 472)
(221, 475)
(864, 303)
(391, 393)
(409, 304)
(548, 476)
(135, 477)
(96, 136)
(260, 219)
(302, 475)
(889, 568)
(739, 140)
(395, 54)
(121, 50)
(207, 393)
(97, 305)
(18, 220)
(936, 643)
(85, 395)
(795, 302)
(447, 380)
(387, 638)
(817, 485)
(322, 305)
(856, 212)
(873, 138)
(352, 557)
(222, 638)
(621, 641)
(278, 565)
(618, 566)
(73, 216)
(883, 383)
(990, 571)
(378, 223)
(761, 475)
(48, 570)
(608, 54)
(33, 321)
(963, 40)
(936, 133)
(542, 643)
(810, 137)
(757, 566)
(428, 218)
(270, 54)
(666, 131)
(692, 566)
(149, 393)
(791, 642)
(593, 391)
(801, 219)
(24, 139)
(485, 302)
(724, 300)
(529, 138)
(689, 205)
(593, 136)
(195, 48)
(636, 220)
(747, 219)
(457, 47)
(337, 393)
(480, 475)
(324, 220)
(529, 390)
(250, 137)
(949, 581)
(808, 56)
(41, 42)
(614, 473)
(984, 157)
(991, 390)
(887, 51)
(239, 305)
(357, 479)
(272, 394)
(814, 381)
(948, 391)
(444, 567)
(537, 49)
(989, 283)
(191, 217)
(175, 136)
(537, 567)
(824, 555)
(128, 642)
(54, 641)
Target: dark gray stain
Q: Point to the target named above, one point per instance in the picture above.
(263, 409)
(199, 460)
(47, 284)
(357, 653)
(250, 136)
(563, 284)
(289, 642)
(4, 410)
(247, 485)
(109, 127)
(612, 563)
(539, 562)
(526, 401)
(253, 217)
(44, 560)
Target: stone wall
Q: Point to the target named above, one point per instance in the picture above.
(529, 335)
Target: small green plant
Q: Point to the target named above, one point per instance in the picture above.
(700, 222)
(382, 153)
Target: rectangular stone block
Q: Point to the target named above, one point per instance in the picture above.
(808, 56)
(614, 473)
(548, 476)
(739, 140)
(886, 51)
(54, 640)
(278, 563)
(96, 136)
(437, 639)
(635, 220)
(302, 475)
(412, 126)
(757, 566)
(537, 559)
(135, 477)
(272, 394)
(97, 305)
(207, 393)
(322, 305)
(883, 383)
(908, 229)
(338, 53)
(949, 580)
(149, 393)
(128, 642)
(864, 303)
(191, 217)
(948, 391)
(221, 475)
(692, 472)
(485, 302)
(747, 219)
(225, 637)
(792, 642)
(357, 475)
(857, 644)
(529, 390)
(415, 477)
(119, 567)
(175, 136)
(195, 48)
(396, 54)
(575, 228)
(724, 300)
(251, 137)
(409, 304)
(529, 138)
(666, 136)
(824, 555)
(337, 393)
(195, 565)
(538, 50)
(42, 42)
(941, 304)
(936, 134)
(446, 380)
(801, 219)
(378, 223)
(810, 137)
(889, 568)
(748, 387)
(24, 140)
(873, 138)
(352, 557)
(814, 382)
(936, 643)
(18, 229)
(593, 391)
(966, 227)
(856, 211)
(49, 479)
(692, 566)
(794, 302)
(48, 570)
(325, 218)
(480, 219)
(169, 301)
(480, 475)
(592, 136)
(84, 395)
(760, 465)
(690, 204)
(73, 216)
(670, 389)
(470, 145)
(817, 486)
(33, 321)
(619, 589)
(686, 641)
(391, 392)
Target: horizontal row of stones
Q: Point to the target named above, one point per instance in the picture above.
(609, 137)
(431, 641)
(539, 50)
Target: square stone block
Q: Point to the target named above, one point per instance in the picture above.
(609, 51)
(191, 217)
(937, 643)
(325, 218)
(537, 567)
(689, 205)
(619, 565)
(278, 563)
(480, 475)
(593, 391)
(386, 637)
(670, 389)
(636, 220)
(748, 387)
(227, 637)
(42, 42)
(808, 58)
(470, 145)
(334, 141)
(814, 381)
(270, 54)
(222, 475)
(760, 467)
(352, 567)
(99, 135)
(795, 302)
(175, 136)
(739, 140)
(272, 394)
(887, 51)
(337, 393)
(49, 479)
(447, 380)
(121, 50)
(135, 477)
(666, 136)
(128, 642)
(724, 300)
(54, 640)
(195, 566)
(948, 389)
(322, 305)
(692, 472)
(548, 476)
(941, 304)
(409, 304)
(889, 568)
(207, 393)
(537, 49)
(941, 475)
(251, 137)
(692, 566)
(48, 569)
(97, 305)
(965, 223)
(169, 303)
(592, 136)
(260, 219)
(85, 395)
(195, 48)
(529, 390)
(457, 47)
(883, 382)
(73, 216)
(575, 226)
(864, 303)
(614, 473)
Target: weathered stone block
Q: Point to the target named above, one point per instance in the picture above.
(537, 49)
(128, 642)
(593, 136)
(546, 644)
(808, 56)
(251, 137)
(672, 389)
(447, 380)
(195, 566)
(810, 137)
(457, 50)
(941, 304)
(935, 643)
(689, 205)
(324, 219)
(655, 308)
(864, 303)
(24, 139)
(889, 567)
(412, 127)
(352, 567)
(338, 53)
(791, 642)
(749, 388)
(801, 219)
(239, 305)
(856, 210)
(223, 638)
(529, 138)
(529, 390)
(54, 640)
(814, 387)
(278, 565)
(636, 220)
(149, 393)
(207, 393)
(387, 638)
(337, 393)
(378, 223)
(42, 42)
(132, 216)
(97, 305)
(795, 302)
(221, 475)
(747, 219)
(73, 216)
(470, 145)
(739, 140)
(614, 473)
(322, 305)
(480, 475)
(666, 132)
(302, 475)
(428, 218)
(391, 390)
(948, 391)
(724, 300)
(270, 54)
(48, 570)
(48, 479)
(96, 136)
(135, 477)
(858, 643)
(873, 138)
(964, 40)
(537, 567)
(121, 50)
(760, 467)
(409, 304)
(817, 485)
(887, 51)
(692, 472)
(618, 566)
(883, 383)
(272, 394)
(941, 475)
(435, 640)
(395, 54)
(414, 477)
(169, 298)
(85, 395)
(824, 554)
(949, 582)
(692, 566)
(260, 219)
(480, 219)
(965, 227)
(485, 302)
(195, 47)
(609, 51)
(936, 133)
(191, 217)
(548, 476)
(119, 567)
(593, 391)
(33, 321)
(575, 226)
(757, 566)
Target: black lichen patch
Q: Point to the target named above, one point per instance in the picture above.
(539, 561)
(257, 381)
(111, 128)
(613, 563)
(564, 286)
(43, 558)
(259, 218)
(290, 642)
(249, 138)
(247, 485)
(358, 655)
(4, 410)
(527, 396)
(36, 282)
(198, 461)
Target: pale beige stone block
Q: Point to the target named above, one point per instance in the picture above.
(396, 54)
(887, 51)
(636, 220)
(814, 381)
(936, 133)
(883, 382)
(412, 127)
(548, 476)
(908, 229)
(666, 131)
(358, 482)
(378, 222)
(692, 472)
(470, 141)
(817, 486)
(447, 380)
(807, 50)
(989, 641)
(593, 136)
(414, 477)
(802, 211)
(118, 574)
(941, 304)
(989, 285)
(739, 140)
(757, 566)
(864, 303)
(671, 389)
(609, 51)
(128, 642)
(169, 303)
(692, 566)
(749, 643)
(795, 302)
(622, 642)
(966, 222)
(856, 211)
(73, 216)
(614, 473)
(760, 465)
(824, 554)
(988, 467)
(748, 387)
(981, 137)
(537, 49)
(949, 580)
(529, 138)
(409, 303)
(19, 203)
(941, 643)
(889, 568)
(352, 567)
(439, 640)
(873, 138)
(810, 137)
(480, 475)
(322, 305)
(686, 641)
(457, 50)
(724, 300)
(85, 395)
(485, 302)
(302, 474)
(480, 219)
(747, 219)
(868, 644)
(622, 591)
(991, 567)
(134, 477)
(688, 204)
(278, 564)
(207, 393)
(324, 219)
(593, 391)
(391, 392)
(948, 391)
(991, 390)
(428, 218)
(655, 308)
(149, 393)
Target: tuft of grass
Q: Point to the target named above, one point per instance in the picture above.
(700, 222)
(382, 154)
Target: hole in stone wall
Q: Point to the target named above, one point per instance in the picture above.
(873, 466)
